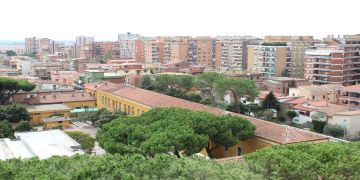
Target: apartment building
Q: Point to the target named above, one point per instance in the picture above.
(204, 51)
(234, 52)
(272, 59)
(350, 96)
(131, 46)
(31, 45)
(298, 44)
(154, 51)
(336, 61)
(84, 47)
(107, 50)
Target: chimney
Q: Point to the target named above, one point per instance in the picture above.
(73, 95)
(44, 97)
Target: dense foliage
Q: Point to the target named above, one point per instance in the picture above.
(307, 161)
(23, 126)
(10, 86)
(334, 130)
(14, 113)
(121, 167)
(318, 126)
(238, 88)
(291, 114)
(270, 102)
(85, 140)
(101, 116)
(172, 130)
(10, 53)
(6, 130)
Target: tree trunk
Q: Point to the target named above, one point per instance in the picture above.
(236, 101)
(209, 151)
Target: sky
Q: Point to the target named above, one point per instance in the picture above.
(104, 19)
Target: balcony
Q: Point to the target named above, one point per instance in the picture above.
(322, 63)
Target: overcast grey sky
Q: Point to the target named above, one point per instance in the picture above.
(104, 19)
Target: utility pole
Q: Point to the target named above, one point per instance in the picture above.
(344, 129)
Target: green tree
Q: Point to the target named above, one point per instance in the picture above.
(23, 126)
(175, 130)
(10, 53)
(205, 82)
(307, 161)
(146, 83)
(16, 113)
(10, 86)
(318, 126)
(6, 130)
(174, 85)
(85, 140)
(334, 130)
(102, 116)
(291, 114)
(122, 167)
(270, 102)
(237, 87)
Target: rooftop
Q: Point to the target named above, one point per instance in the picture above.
(42, 144)
(287, 79)
(320, 89)
(56, 119)
(62, 98)
(348, 113)
(276, 133)
(332, 109)
(47, 107)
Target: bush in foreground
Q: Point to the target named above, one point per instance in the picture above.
(121, 167)
(307, 161)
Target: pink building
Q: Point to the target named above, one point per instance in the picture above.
(64, 77)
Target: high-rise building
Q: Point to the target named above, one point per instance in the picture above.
(298, 46)
(107, 50)
(234, 52)
(84, 47)
(131, 46)
(272, 59)
(154, 51)
(31, 45)
(337, 61)
(202, 51)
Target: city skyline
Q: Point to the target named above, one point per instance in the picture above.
(64, 20)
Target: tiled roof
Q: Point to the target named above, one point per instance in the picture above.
(267, 130)
(318, 103)
(333, 108)
(62, 98)
(298, 100)
(354, 88)
(303, 108)
(263, 94)
(316, 89)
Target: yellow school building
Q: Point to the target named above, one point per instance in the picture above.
(134, 101)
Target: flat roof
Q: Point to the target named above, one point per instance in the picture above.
(47, 107)
(41, 144)
(56, 119)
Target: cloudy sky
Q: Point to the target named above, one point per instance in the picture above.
(104, 19)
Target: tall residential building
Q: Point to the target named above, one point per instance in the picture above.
(202, 51)
(131, 46)
(107, 50)
(272, 59)
(84, 47)
(338, 61)
(298, 44)
(154, 51)
(234, 52)
(31, 45)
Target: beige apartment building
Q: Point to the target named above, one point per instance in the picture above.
(204, 51)
(299, 44)
(271, 59)
(131, 46)
(109, 50)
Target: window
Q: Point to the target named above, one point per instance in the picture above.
(239, 151)
(313, 97)
(129, 112)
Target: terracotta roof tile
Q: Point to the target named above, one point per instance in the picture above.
(267, 130)
(299, 100)
(348, 113)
